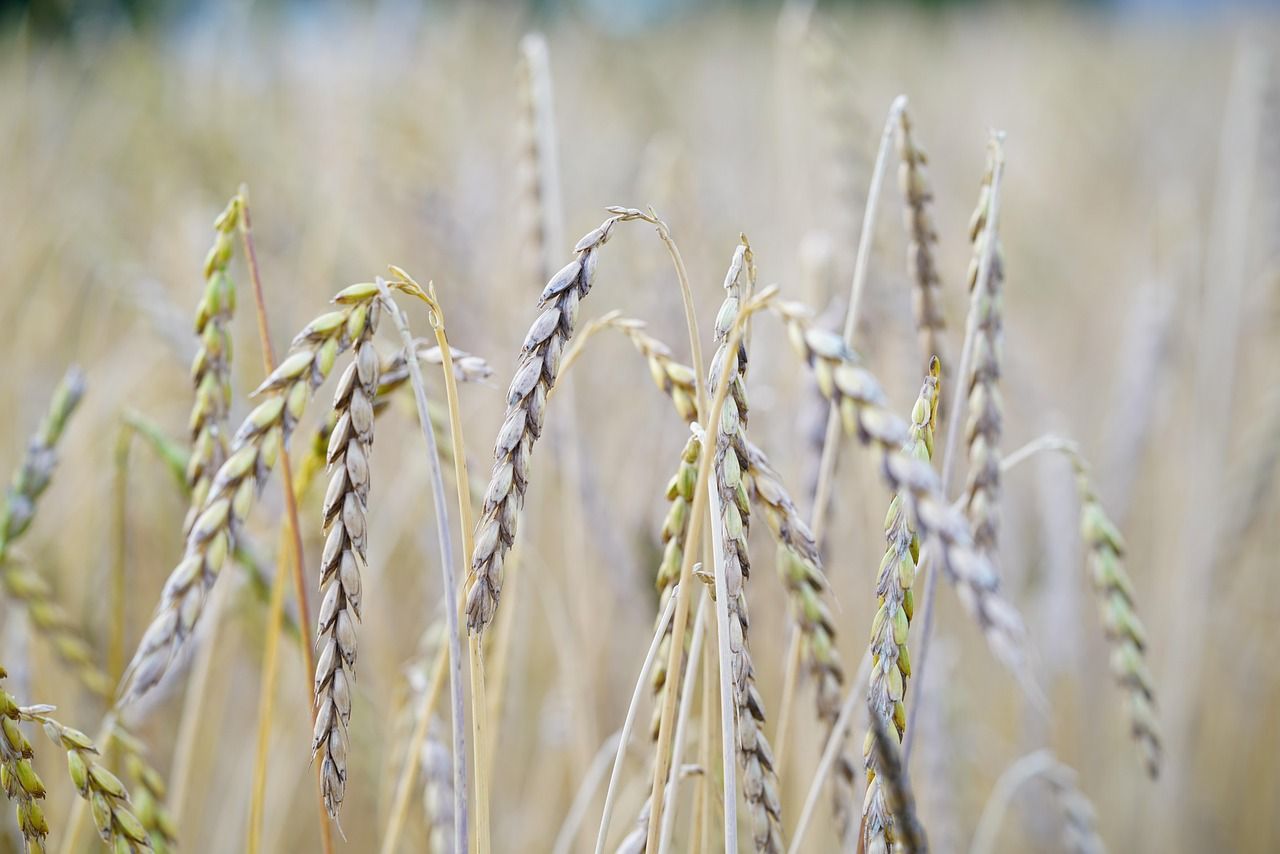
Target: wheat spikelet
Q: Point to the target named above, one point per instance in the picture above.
(526, 405)
(1116, 605)
(800, 569)
(760, 783)
(861, 403)
(107, 797)
(18, 778)
(210, 370)
(1079, 819)
(23, 584)
(895, 789)
(437, 791)
(254, 450)
(985, 422)
(891, 663)
(150, 792)
(345, 551)
(922, 239)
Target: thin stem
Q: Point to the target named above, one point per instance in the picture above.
(290, 500)
(686, 706)
(444, 537)
(586, 791)
(1020, 772)
(630, 721)
(956, 413)
(193, 706)
(408, 772)
(728, 702)
(119, 564)
(831, 438)
(831, 751)
(266, 698)
(1048, 443)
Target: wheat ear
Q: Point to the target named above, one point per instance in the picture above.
(861, 402)
(526, 405)
(891, 663)
(1116, 598)
(18, 778)
(1124, 630)
(985, 421)
(1079, 821)
(895, 788)
(922, 240)
(150, 792)
(211, 368)
(345, 552)
(760, 783)
(21, 583)
(255, 449)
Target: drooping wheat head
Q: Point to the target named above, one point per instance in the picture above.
(890, 660)
(149, 794)
(18, 779)
(922, 240)
(1116, 600)
(800, 569)
(345, 552)
(254, 450)
(1079, 818)
(211, 368)
(24, 584)
(535, 375)
(985, 422)
(861, 402)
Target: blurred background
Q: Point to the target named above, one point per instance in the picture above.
(1141, 226)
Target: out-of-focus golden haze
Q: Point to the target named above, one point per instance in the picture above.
(1140, 221)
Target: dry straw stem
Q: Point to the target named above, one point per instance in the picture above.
(21, 582)
(895, 581)
(861, 403)
(18, 777)
(255, 449)
(730, 519)
(659, 634)
(985, 420)
(211, 368)
(450, 588)
(907, 835)
(1079, 830)
(345, 553)
(1116, 599)
(922, 241)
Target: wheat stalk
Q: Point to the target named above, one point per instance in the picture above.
(345, 552)
(211, 369)
(255, 449)
(891, 663)
(861, 404)
(922, 239)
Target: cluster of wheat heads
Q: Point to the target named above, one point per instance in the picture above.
(721, 476)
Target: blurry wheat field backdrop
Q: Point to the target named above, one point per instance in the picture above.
(1140, 227)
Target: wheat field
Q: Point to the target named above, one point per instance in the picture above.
(1039, 612)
